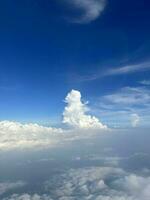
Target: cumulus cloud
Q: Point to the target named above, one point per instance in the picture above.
(28, 197)
(17, 135)
(75, 113)
(90, 10)
(101, 183)
(135, 120)
(6, 186)
(14, 135)
(88, 183)
(83, 182)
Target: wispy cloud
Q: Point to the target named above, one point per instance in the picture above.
(127, 69)
(119, 108)
(90, 10)
(130, 96)
(145, 82)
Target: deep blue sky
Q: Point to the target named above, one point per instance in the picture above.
(43, 55)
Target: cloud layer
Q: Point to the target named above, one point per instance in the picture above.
(75, 113)
(90, 10)
(6, 186)
(90, 183)
(17, 135)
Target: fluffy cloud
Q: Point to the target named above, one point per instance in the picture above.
(75, 113)
(135, 119)
(83, 182)
(90, 9)
(18, 135)
(101, 183)
(28, 197)
(92, 183)
(6, 186)
(15, 134)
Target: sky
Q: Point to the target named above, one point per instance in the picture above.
(74, 100)
(99, 48)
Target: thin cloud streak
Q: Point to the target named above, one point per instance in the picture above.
(128, 69)
(126, 105)
(145, 82)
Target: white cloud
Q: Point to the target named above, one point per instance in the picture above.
(6, 186)
(130, 96)
(75, 113)
(136, 186)
(14, 135)
(128, 69)
(17, 135)
(117, 108)
(135, 120)
(90, 9)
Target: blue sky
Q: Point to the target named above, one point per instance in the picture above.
(96, 47)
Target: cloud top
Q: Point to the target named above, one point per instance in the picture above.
(75, 113)
(18, 135)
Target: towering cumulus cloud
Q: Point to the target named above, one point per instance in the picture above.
(75, 113)
(19, 135)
